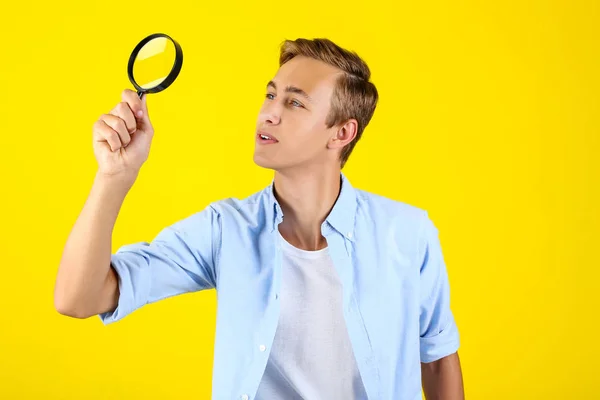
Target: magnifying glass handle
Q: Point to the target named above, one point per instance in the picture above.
(140, 93)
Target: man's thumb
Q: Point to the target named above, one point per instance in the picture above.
(144, 117)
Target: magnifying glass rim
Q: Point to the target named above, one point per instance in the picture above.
(170, 77)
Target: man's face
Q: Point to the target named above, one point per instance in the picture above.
(297, 101)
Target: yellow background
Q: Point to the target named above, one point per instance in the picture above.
(488, 118)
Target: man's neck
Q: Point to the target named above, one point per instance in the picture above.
(306, 199)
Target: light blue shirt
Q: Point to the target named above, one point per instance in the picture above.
(396, 296)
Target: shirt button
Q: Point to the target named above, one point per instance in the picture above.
(244, 397)
(262, 347)
(350, 234)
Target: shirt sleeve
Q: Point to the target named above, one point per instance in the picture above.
(180, 259)
(439, 335)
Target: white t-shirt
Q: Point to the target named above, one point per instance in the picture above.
(311, 357)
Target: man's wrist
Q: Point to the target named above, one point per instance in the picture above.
(120, 183)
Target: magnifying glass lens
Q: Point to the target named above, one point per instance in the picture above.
(154, 62)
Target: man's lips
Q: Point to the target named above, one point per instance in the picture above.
(259, 133)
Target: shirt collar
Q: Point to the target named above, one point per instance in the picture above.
(341, 217)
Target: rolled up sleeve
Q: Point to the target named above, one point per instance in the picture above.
(439, 336)
(180, 259)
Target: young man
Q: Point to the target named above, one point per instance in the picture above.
(324, 291)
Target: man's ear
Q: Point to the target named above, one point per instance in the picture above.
(344, 134)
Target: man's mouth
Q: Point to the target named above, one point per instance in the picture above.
(264, 138)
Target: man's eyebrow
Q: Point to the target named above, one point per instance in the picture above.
(292, 89)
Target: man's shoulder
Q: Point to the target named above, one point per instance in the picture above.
(384, 207)
(230, 211)
(390, 217)
(248, 205)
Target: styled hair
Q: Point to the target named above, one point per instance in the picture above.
(353, 96)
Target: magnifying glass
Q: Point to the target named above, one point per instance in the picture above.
(154, 63)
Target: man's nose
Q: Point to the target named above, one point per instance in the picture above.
(272, 119)
(271, 115)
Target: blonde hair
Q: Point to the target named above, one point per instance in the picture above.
(353, 97)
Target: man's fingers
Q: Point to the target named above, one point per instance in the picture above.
(104, 133)
(134, 102)
(119, 126)
(123, 111)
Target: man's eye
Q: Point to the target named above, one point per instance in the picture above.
(270, 96)
(296, 103)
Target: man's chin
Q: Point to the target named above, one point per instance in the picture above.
(261, 162)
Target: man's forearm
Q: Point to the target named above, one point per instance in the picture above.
(442, 379)
(85, 262)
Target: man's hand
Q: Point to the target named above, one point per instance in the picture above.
(121, 138)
